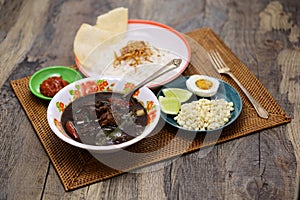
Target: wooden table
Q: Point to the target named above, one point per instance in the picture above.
(265, 35)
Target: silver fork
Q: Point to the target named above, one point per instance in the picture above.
(222, 68)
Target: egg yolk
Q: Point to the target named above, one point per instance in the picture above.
(204, 84)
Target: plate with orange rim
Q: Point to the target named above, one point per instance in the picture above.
(166, 42)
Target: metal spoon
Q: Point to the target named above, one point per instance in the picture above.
(173, 65)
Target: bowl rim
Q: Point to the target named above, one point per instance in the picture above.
(96, 148)
(40, 95)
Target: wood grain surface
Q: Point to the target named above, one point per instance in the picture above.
(265, 35)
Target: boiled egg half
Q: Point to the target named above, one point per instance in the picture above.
(202, 85)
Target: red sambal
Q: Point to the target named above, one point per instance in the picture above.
(52, 85)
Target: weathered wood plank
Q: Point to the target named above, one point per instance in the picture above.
(24, 163)
(19, 38)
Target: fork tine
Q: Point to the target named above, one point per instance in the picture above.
(212, 60)
(215, 58)
(221, 61)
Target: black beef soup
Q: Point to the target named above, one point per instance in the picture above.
(104, 118)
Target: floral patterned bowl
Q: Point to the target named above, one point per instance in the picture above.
(87, 86)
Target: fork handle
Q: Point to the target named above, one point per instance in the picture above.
(257, 106)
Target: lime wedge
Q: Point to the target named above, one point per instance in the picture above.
(182, 94)
(169, 105)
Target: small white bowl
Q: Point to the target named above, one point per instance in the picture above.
(92, 85)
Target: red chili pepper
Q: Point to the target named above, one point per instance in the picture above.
(72, 130)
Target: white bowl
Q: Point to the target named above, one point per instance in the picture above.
(92, 85)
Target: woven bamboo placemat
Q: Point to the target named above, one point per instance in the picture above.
(77, 167)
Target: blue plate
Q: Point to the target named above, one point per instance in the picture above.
(225, 91)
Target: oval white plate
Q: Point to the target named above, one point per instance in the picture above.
(171, 44)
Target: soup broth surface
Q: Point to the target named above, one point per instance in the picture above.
(104, 118)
